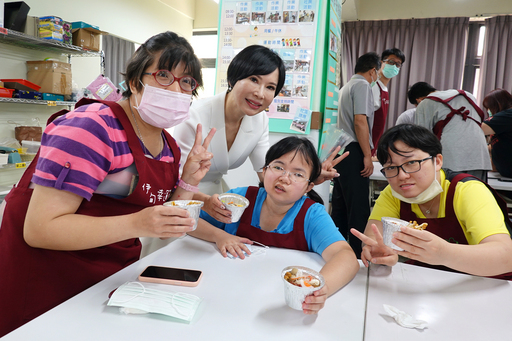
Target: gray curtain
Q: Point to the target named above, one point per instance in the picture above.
(117, 53)
(496, 66)
(434, 49)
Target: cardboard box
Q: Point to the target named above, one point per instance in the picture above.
(87, 38)
(31, 26)
(53, 77)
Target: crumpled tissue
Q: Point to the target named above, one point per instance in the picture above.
(404, 319)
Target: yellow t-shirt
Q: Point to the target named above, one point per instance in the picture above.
(475, 207)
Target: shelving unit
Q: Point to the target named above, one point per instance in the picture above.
(22, 40)
(10, 173)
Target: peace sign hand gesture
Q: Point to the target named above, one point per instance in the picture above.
(374, 250)
(198, 160)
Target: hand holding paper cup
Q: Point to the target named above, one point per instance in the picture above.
(234, 203)
(300, 282)
(391, 225)
(192, 206)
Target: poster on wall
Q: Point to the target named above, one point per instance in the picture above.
(288, 27)
(333, 69)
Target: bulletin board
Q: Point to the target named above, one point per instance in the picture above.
(333, 68)
(287, 27)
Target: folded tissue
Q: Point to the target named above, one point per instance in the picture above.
(404, 319)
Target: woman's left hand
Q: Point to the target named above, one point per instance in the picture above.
(328, 170)
(198, 160)
(316, 301)
(421, 245)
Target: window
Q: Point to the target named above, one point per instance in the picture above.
(205, 46)
(471, 77)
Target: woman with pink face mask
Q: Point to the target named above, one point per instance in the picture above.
(99, 182)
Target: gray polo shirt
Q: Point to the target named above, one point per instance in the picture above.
(355, 98)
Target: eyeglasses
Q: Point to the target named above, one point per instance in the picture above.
(412, 166)
(166, 78)
(293, 176)
(391, 62)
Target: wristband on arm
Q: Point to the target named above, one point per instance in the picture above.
(188, 187)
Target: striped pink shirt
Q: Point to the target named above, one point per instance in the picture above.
(94, 142)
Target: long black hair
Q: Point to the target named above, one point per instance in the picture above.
(303, 147)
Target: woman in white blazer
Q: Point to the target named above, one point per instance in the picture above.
(255, 76)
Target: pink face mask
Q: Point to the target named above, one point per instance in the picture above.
(163, 108)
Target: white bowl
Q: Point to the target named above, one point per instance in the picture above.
(234, 203)
(294, 295)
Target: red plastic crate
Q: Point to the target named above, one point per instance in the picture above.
(20, 84)
(6, 92)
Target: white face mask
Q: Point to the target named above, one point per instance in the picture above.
(430, 193)
(163, 108)
(133, 297)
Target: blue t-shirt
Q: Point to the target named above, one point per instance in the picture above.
(319, 229)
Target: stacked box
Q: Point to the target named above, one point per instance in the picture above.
(67, 35)
(53, 77)
(86, 36)
(51, 28)
(27, 94)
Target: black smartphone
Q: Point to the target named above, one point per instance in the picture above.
(174, 276)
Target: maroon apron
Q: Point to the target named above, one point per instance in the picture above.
(293, 240)
(34, 280)
(439, 126)
(448, 227)
(379, 118)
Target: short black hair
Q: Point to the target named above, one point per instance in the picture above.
(366, 62)
(256, 60)
(393, 51)
(412, 135)
(418, 90)
(173, 49)
(303, 147)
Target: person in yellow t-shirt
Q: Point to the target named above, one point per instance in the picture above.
(467, 229)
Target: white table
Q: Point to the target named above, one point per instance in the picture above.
(496, 181)
(242, 300)
(456, 306)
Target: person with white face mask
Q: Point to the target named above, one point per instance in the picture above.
(392, 61)
(98, 184)
(350, 204)
(468, 226)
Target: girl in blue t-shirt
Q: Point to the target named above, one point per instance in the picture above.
(281, 215)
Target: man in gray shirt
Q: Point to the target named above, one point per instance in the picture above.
(350, 198)
(463, 141)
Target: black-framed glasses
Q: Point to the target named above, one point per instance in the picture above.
(391, 62)
(412, 166)
(166, 78)
(279, 170)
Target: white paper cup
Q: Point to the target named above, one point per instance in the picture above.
(294, 295)
(391, 225)
(234, 203)
(192, 206)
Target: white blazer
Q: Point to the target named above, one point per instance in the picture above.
(251, 141)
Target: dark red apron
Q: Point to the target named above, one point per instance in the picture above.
(439, 126)
(449, 227)
(379, 118)
(35, 280)
(293, 240)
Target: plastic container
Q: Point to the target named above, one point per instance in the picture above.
(234, 203)
(295, 295)
(389, 226)
(20, 84)
(192, 206)
(4, 92)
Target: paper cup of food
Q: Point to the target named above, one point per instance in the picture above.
(300, 282)
(192, 206)
(234, 203)
(391, 225)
